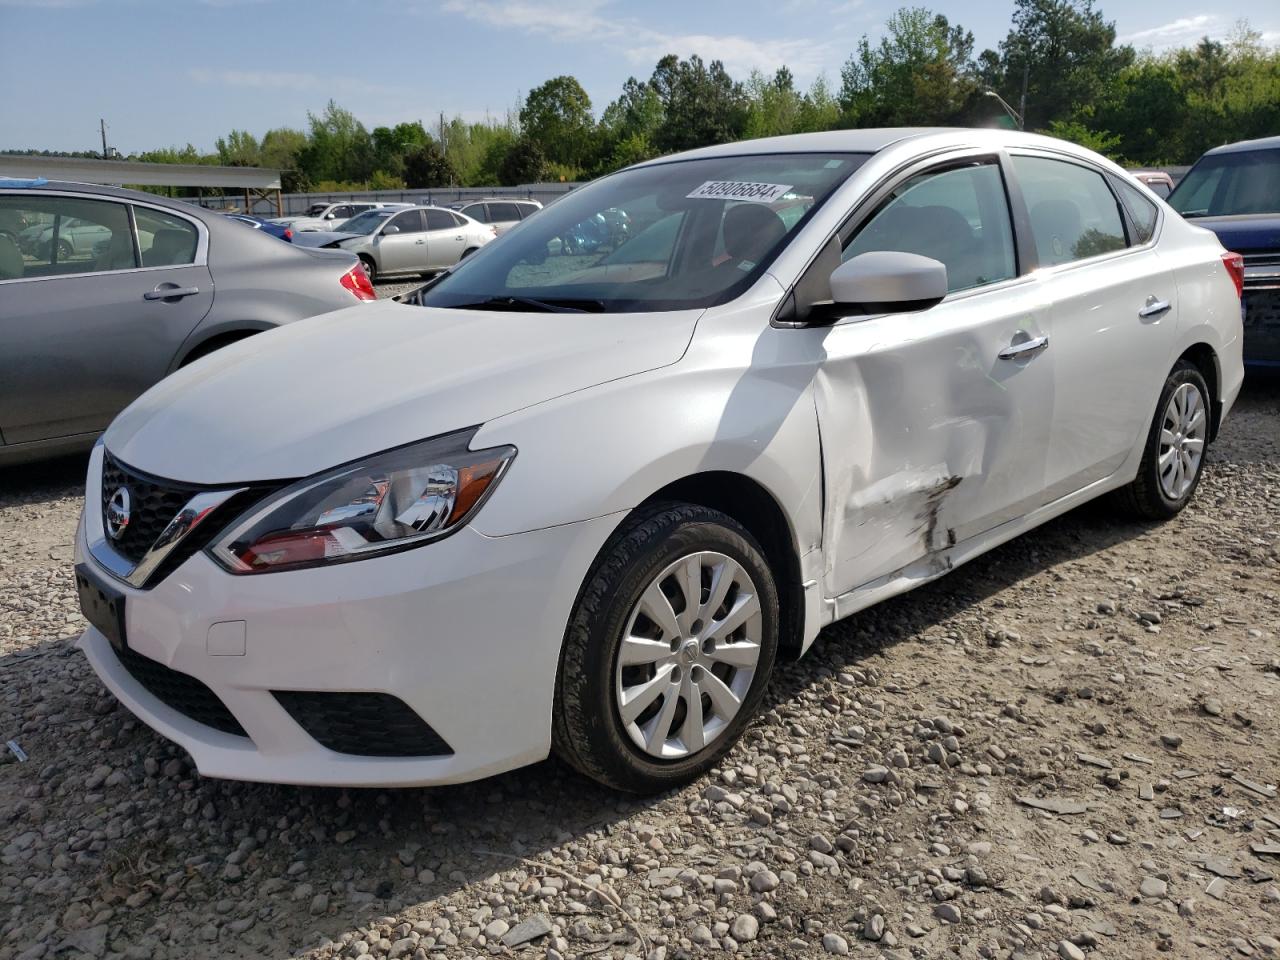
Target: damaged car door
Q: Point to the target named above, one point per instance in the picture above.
(934, 423)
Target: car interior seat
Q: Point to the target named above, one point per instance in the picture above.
(119, 253)
(751, 230)
(11, 263)
(169, 248)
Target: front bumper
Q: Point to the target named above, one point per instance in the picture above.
(466, 631)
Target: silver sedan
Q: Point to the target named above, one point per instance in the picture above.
(418, 240)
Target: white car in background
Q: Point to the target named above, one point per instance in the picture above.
(331, 216)
(575, 504)
(502, 213)
(392, 242)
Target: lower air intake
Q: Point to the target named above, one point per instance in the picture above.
(363, 724)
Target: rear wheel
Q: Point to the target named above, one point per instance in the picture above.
(64, 250)
(468, 252)
(1176, 444)
(370, 268)
(668, 652)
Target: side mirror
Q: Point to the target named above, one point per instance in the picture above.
(328, 216)
(390, 229)
(888, 281)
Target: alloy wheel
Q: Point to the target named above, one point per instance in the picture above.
(688, 655)
(1182, 437)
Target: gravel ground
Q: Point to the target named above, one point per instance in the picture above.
(1065, 749)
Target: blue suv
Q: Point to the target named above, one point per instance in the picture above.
(1235, 191)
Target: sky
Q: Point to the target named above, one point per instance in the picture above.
(171, 72)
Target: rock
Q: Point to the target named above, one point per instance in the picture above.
(1153, 888)
(539, 925)
(1212, 706)
(745, 928)
(90, 940)
(1069, 951)
(948, 912)
(876, 774)
(873, 929)
(1217, 888)
(496, 928)
(764, 881)
(834, 943)
(319, 904)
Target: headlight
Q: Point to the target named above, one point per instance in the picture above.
(391, 501)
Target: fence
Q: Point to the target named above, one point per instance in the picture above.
(298, 203)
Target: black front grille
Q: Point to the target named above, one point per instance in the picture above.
(152, 504)
(363, 724)
(180, 691)
(1262, 325)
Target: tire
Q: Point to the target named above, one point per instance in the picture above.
(370, 269)
(588, 729)
(64, 250)
(467, 252)
(1153, 495)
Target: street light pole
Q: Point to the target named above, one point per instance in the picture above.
(1017, 117)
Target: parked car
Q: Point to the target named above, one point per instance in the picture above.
(1157, 181)
(581, 508)
(498, 212)
(266, 226)
(331, 216)
(1235, 192)
(120, 292)
(417, 240)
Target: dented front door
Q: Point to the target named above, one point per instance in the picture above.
(935, 427)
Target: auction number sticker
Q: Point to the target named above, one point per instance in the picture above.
(740, 190)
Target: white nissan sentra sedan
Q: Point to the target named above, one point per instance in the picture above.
(581, 502)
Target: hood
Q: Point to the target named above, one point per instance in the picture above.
(1251, 233)
(320, 392)
(316, 238)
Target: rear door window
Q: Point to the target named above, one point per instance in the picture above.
(166, 240)
(1142, 212)
(1074, 215)
(503, 212)
(408, 222)
(476, 212)
(43, 235)
(440, 220)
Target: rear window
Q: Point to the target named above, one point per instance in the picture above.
(1230, 185)
(43, 235)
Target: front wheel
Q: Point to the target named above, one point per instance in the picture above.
(1176, 444)
(668, 651)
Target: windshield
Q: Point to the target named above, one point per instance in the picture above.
(367, 222)
(316, 209)
(671, 236)
(1230, 185)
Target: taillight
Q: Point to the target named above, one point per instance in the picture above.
(1235, 266)
(288, 234)
(357, 281)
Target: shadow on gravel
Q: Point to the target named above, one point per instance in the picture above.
(372, 852)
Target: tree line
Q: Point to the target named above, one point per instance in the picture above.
(1059, 70)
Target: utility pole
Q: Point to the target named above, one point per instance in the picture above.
(102, 125)
(1022, 102)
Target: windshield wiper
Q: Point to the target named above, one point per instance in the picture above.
(554, 305)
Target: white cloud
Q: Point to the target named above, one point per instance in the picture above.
(1177, 33)
(334, 86)
(591, 20)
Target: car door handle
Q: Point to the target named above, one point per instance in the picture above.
(1027, 348)
(459, 237)
(170, 293)
(420, 241)
(1154, 308)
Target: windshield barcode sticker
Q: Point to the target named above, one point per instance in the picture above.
(740, 190)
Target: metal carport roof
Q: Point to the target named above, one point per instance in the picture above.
(135, 172)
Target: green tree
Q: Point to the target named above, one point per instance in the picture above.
(390, 144)
(1059, 57)
(239, 148)
(920, 73)
(819, 108)
(628, 127)
(427, 166)
(280, 150)
(338, 147)
(524, 163)
(701, 104)
(773, 104)
(557, 117)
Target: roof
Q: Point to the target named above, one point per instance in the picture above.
(868, 140)
(101, 190)
(136, 172)
(1244, 146)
